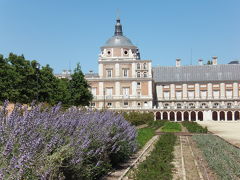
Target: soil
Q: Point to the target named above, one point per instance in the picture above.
(189, 161)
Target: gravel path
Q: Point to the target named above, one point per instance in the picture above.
(230, 131)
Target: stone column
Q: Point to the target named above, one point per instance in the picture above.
(189, 116)
(218, 115)
(209, 87)
(233, 117)
(100, 70)
(159, 92)
(182, 116)
(225, 113)
(184, 89)
(150, 88)
(133, 70)
(117, 70)
(197, 92)
(175, 115)
(222, 91)
(196, 116)
(168, 113)
(172, 91)
(235, 90)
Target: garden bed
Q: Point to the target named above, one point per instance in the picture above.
(194, 127)
(221, 156)
(171, 127)
(158, 164)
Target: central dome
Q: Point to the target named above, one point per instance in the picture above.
(118, 40)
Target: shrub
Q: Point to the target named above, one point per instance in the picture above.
(53, 144)
(157, 124)
(137, 118)
(194, 127)
(158, 164)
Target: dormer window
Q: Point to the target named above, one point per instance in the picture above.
(109, 52)
(125, 52)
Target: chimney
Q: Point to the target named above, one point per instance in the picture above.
(214, 60)
(178, 62)
(200, 62)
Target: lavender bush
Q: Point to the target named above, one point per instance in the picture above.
(55, 144)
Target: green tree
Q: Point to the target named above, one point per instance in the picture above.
(62, 93)
(79, 88)
(47, 84)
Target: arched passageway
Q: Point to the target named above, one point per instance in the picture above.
(179, 116)
(214, 116)
(200, 115)
(222, 115)
(158, 115)
(193, 116)
(172, 116)
(165, 116)
(229, 115)
(236, 115)
(186, 116)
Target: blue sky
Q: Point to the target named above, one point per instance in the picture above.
(64, 32)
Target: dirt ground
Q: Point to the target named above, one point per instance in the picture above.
(230, 131)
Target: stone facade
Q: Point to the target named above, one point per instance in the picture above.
(177, 93)
(124, 80)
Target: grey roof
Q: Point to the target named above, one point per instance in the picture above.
(200, 73)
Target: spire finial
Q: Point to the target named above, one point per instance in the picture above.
(118, 28)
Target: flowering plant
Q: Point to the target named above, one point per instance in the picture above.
(53, 144)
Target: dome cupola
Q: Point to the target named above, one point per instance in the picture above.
(118, 40)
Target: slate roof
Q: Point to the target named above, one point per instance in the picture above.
(199, 73)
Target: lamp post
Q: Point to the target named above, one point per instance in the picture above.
(104, 98)
(38, 69)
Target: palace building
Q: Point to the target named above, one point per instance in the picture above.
(177, 93)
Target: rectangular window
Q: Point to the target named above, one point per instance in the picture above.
(109, 91)
(109, 73)
(190, 94)
(166, 95)
(94, 91)
(204, 94)
(125, 92)
(125, 72)
(229, 93)
(216, 94)
(179, 94)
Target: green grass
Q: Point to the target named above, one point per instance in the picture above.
(158, 165)
(221, 156)
(171, 127)
(144, 135)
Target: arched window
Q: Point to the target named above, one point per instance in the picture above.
(145, 74)
(138, 65)
(144, 66)
(138, 74)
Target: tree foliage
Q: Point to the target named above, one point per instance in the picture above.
(21, 81)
